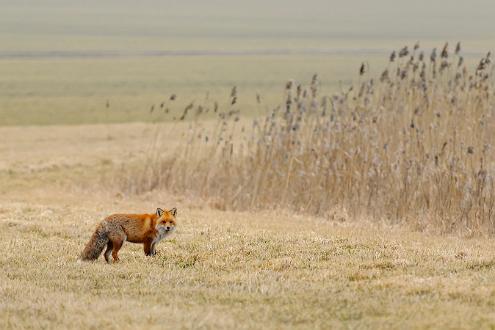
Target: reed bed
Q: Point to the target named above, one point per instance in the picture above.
(411, 146)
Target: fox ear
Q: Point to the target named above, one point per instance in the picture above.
(159, 212)
(173, 211)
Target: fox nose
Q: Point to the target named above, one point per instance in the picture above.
(168, 228)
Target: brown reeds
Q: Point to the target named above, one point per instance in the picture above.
(411, 147)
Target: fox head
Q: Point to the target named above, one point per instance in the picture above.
(166, 220)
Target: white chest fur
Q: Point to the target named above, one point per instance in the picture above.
(162, 233)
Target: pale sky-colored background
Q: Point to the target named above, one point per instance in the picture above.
(255, 19)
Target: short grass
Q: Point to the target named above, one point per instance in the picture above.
(221, 269)
(243, 270)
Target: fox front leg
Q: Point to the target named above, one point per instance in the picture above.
(153, 248)
(148, 247)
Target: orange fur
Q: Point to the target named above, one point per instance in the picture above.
(114, 230)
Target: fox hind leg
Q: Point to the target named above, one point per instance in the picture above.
(108, 251)
(117, 240)
(116, 247)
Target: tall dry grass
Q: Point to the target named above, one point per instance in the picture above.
(413, 145)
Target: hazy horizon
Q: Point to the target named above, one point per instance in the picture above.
(382, 19)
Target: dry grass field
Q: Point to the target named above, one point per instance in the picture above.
(222, 269)
(330, 171)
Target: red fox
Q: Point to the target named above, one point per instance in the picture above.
(114, 230)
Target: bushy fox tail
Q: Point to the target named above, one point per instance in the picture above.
(96, 244)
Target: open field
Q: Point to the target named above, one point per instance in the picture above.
(60, 66)
(221, 269)
(75, 91)
(258, 268)
(329, 171)
(38, 87)
(48, 89)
